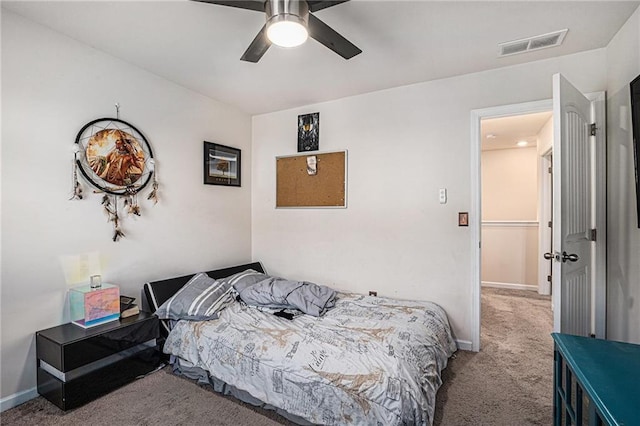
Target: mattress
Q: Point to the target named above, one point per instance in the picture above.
(369, 360)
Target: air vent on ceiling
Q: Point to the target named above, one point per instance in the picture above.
(530, 44)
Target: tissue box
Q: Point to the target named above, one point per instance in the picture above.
(94, 306)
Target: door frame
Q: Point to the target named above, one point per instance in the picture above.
(599, 204)
(545, 216)
(599, 207)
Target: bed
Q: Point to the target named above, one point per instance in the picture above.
(367, 360)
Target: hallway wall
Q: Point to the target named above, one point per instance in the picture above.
(509, 217)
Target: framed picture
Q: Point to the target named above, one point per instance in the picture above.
(309, 132)
(221, 165)
(463, 219)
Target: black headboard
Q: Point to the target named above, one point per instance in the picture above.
(158, 292)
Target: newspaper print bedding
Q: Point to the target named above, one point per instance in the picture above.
(369, 360)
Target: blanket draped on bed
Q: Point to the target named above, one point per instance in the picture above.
(279, 293)
(369, 360)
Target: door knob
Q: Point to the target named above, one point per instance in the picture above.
(548, 256)
(570, 257)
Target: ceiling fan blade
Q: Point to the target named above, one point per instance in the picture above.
(258, 47)
(256, 5)
(316, 5)
(331, 39)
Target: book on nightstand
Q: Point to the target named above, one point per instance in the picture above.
(127, 307)
(131, 311)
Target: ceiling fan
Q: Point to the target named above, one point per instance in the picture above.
(289, 22)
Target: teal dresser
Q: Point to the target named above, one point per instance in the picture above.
(596, 382)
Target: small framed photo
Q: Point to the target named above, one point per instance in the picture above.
(309, 132)
(221, 165)
(126, 301)
(463, 219)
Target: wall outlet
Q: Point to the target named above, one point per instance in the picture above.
(373, 293)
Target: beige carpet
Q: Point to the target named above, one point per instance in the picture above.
(160, 398)
(508, 383)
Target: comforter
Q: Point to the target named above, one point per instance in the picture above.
(280, 293)
(369, 360)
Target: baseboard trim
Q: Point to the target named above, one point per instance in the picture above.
(464, 345)
(512, 286)
(17, 399)
(511, 223)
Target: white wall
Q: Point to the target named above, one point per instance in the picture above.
(623, 242)
(510, 184)
(510, 255)
(404, 144)
(51, 87)
(509, 217)
(544, 139)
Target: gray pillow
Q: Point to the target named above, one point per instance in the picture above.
(200, 299)
(245, 279)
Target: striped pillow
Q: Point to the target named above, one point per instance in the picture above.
(200, 299)
(245, 279)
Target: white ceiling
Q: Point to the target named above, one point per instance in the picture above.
(199, 45)
(508, 131)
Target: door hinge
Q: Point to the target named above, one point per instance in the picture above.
(592, 129)
(550, 224)
(549, 278)
(593, 235)
(550, 169)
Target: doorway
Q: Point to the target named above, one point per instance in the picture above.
(515, 291)
(476, 201)
(599, 207)
(515, 201)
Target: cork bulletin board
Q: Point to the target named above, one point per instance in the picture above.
(296, 188)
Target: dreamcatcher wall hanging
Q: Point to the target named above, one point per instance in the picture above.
(117, 160)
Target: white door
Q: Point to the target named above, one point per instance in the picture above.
(573, 217)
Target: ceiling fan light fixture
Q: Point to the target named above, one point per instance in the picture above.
(288, 23)
(287, 31)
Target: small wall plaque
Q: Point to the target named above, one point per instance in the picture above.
(463, 219)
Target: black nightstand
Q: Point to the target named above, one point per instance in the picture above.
(77, 365)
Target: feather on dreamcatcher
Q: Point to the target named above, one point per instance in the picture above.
(117, 160)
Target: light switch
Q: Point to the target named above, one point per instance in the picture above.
(443, 195)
